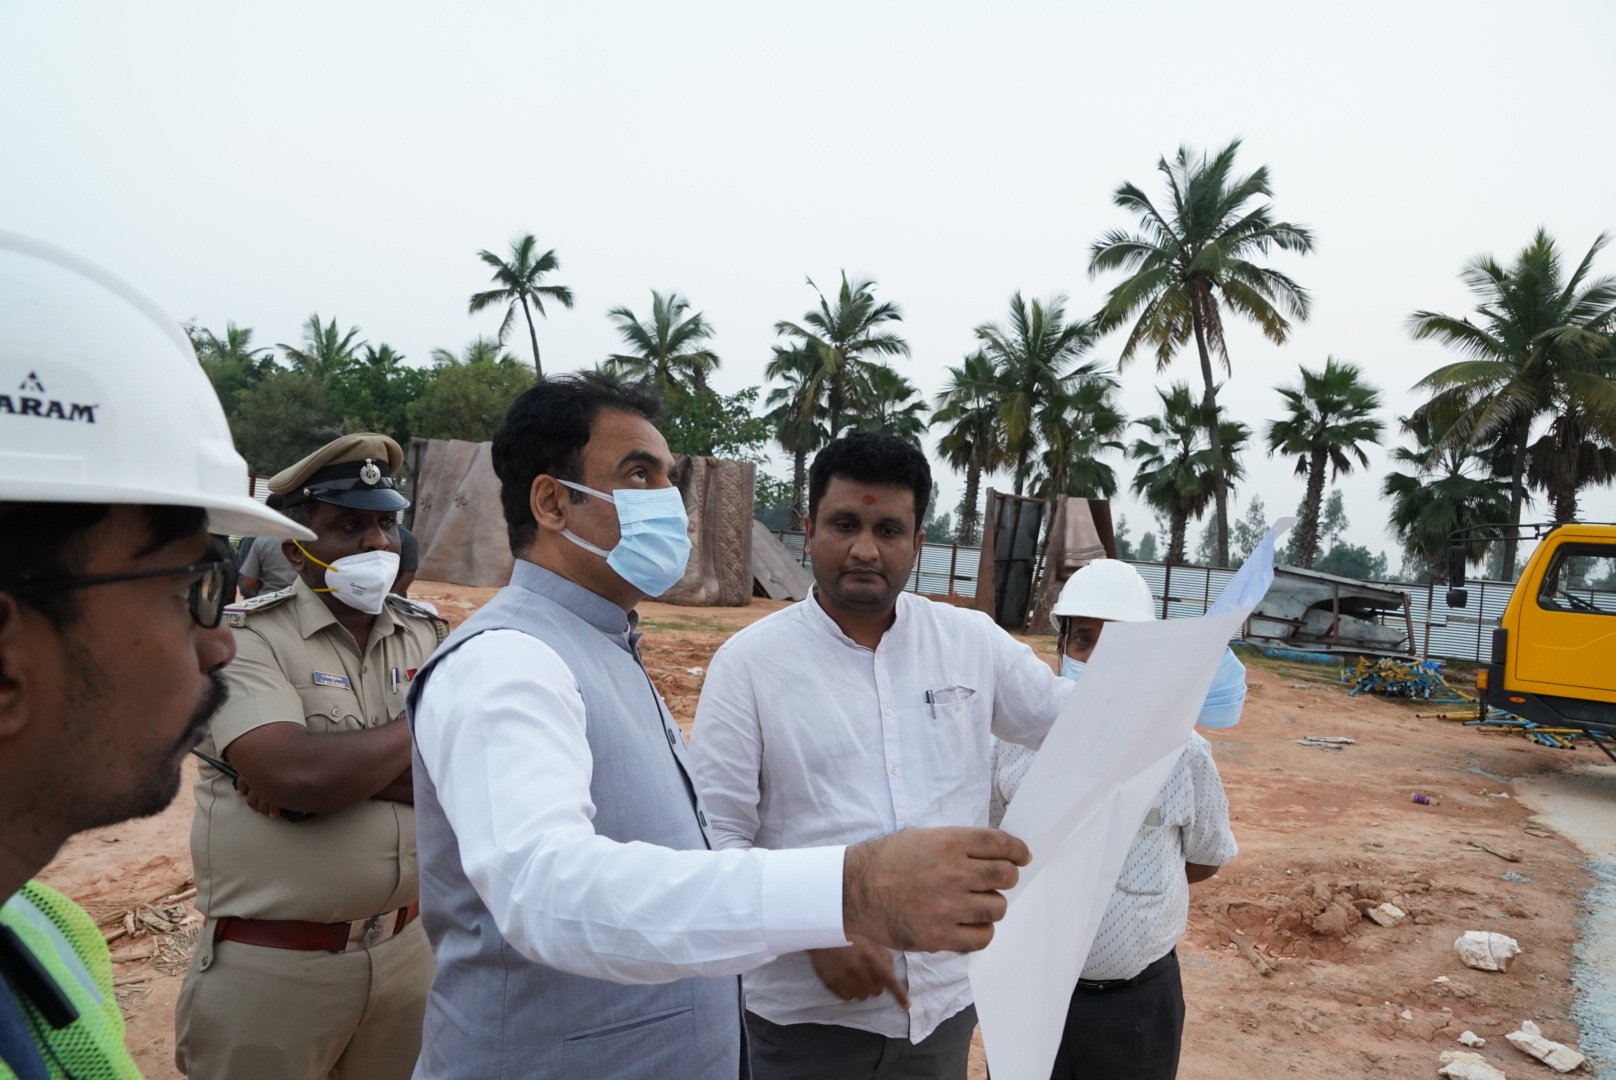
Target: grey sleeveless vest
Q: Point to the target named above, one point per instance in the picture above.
(493, 1014)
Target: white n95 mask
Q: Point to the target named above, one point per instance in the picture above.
(360, 581)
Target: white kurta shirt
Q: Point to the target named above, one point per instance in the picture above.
(803, 737)
(1150, 906)
(501, 732)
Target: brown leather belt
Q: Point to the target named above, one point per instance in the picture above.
(314, 936)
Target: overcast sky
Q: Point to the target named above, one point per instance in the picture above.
(259, 162)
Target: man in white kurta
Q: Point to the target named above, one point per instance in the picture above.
(857, 712)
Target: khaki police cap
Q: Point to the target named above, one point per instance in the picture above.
(356, 471)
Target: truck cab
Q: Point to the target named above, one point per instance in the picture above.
(1553, 655)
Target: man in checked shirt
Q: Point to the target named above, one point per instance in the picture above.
(1126, 1017)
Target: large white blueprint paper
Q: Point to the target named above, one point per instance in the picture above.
(1101, 766)
(1250, 583)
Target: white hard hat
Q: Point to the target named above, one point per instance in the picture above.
(102, 399)
(1105, 589)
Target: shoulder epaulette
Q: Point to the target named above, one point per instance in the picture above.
(236, 614)
(420, 609)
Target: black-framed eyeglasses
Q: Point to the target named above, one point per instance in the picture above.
(210, 592)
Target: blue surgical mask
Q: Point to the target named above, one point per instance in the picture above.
(654, 536)
(1071, 669)
(1223, 703)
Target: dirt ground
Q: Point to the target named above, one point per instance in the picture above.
(1323, 834)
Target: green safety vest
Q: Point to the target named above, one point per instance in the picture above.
(70, 947)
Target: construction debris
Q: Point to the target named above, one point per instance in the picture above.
(1502, 853)
(1464, 1065)
(1486, 951)
(1325, 742)
(1387, 914)
(1557, 1056)
(1422, 679)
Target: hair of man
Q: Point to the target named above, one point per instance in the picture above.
(870, 457)
(544, 433)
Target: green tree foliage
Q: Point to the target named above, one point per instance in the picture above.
(797, 417)
(519, 284)
(771, 503)
(1076, 427)
(285, 416)
(1446, 487)
(326, 351)
(669, 348)
(1249, 531)
(1191, 260)
(1032, 355)
(973, 439)
(232, 363)
(705, 423)
(1352, 561)
(1329, 417)
(889, 403)
(837, 343)
(1178, 471)
(1120, 533)
(1539, 345)
(466, 397)
(1147, 547)
(374, 394)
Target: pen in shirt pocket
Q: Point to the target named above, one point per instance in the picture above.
(931, 701)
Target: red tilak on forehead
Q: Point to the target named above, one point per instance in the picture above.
(869, 500)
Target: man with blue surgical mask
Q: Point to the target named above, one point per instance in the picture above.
(582, 927)
(1126, 1017)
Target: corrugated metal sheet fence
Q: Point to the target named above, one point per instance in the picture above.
(1440, 631)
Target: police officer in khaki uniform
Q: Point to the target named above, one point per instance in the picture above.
(312, 962)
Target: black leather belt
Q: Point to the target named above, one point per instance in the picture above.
(1153, 969)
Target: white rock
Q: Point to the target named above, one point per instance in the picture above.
(1486, 951)
(1407, 1014)
(1470, 1038)
(1440, 979)
(1387, 914)
(1557, 1056)
(1463, 1065)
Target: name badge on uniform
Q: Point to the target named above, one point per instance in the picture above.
(322, 679)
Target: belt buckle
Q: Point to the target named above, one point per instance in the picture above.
(373, 930)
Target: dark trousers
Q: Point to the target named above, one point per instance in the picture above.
(832, 1052)
(1125, 1032)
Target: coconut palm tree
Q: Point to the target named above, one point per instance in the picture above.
(480, 350)
(1179, 473)
(1447, 488)
(1540, 344)
(973, 440)
(1329, 416)
(1077, 428)
(519, 282)
(843, 340)
(797, 417)
(382, 356)
(327, 349)
(1192, 260)
(669, 348)
(1033, 355)
(888, 402)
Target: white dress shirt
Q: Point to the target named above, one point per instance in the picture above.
(500, 730)
(805, 737)
(1150, 906)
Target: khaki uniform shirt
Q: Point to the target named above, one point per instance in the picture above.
(296, 664)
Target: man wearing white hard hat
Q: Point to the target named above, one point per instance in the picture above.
(1126, 1017)
(116, 465)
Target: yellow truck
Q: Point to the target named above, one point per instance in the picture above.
(1553, 656)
